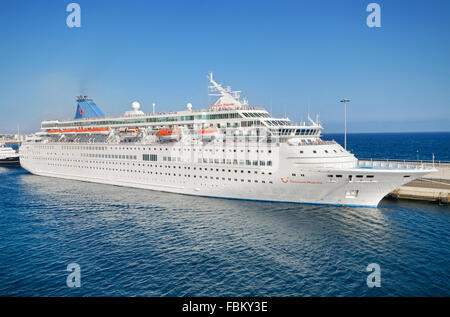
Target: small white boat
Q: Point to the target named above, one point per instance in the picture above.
(8, 157)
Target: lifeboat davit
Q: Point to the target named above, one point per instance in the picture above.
(166, 134)
(208, 134)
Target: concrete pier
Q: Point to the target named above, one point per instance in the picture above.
(432, 187)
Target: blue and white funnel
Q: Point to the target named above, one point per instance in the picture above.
(87, 108)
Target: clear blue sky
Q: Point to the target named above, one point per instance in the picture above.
(283, 55)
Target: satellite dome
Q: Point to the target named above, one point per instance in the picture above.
(135, 112)
(189, 106)
(135, 105)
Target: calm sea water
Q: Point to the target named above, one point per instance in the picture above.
(403, 146)
(131, 242)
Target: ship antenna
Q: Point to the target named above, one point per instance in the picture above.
(227, 96)
(309, 106)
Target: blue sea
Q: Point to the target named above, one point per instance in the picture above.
(131, 242)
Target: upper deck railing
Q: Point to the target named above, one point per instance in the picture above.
(396, 163)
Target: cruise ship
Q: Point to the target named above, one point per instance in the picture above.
(229, 150)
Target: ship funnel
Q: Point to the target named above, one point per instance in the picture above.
(87, 108)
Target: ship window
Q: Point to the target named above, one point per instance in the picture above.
(359, 176)
(352, 194)
(338, 175)
(370, 176)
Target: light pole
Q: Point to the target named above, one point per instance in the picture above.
(345, 121)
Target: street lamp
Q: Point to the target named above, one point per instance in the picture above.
(345, 121)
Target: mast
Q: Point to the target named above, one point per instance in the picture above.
(228, 98)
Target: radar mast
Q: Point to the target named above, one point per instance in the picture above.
(228, 98)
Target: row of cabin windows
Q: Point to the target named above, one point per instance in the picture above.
(104, 148)
(236, 162)
(221, 161)
(110, 156)
(149, 157)
(206, 169)
(171, 159)
(161, 173)
(154, 157)
(326, 151)
(150, 165)
(251, 123)
(213, 150)
(351, 176)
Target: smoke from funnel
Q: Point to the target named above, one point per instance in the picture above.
(82, 87)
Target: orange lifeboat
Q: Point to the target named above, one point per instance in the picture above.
(167, 134)
(208, 134)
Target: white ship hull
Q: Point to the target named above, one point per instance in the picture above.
(283, 182)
